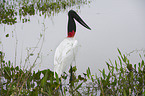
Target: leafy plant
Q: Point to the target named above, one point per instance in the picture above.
(123, 79)
(11, 10)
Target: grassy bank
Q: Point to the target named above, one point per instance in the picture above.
(123, 79)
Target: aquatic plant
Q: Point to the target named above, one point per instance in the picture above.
(123, 78)
(12, 10)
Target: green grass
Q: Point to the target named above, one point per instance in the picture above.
(123, 79)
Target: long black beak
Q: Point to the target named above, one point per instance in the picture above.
(78, 18)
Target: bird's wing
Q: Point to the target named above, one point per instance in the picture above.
(65, 50)
(64, 55)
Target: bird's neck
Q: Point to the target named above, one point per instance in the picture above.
(71, 27)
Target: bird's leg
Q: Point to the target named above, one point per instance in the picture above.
(71, 74)
(71, 79)
(61, 85)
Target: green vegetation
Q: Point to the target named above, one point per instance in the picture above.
(11, 10)
(123, 79)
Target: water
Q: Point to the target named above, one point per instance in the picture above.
(115, 24)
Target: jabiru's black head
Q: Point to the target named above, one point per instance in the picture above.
(71, 23)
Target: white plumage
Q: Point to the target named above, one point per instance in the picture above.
(65, 55)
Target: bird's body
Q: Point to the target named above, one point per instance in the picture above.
(66, 51)
(65, 55)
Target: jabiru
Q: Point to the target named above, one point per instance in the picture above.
(66, 51)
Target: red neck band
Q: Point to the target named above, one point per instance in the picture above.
(71, 34)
